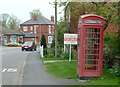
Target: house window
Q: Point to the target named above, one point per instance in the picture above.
(50, 38)
(13, 39)
(35, 27)
(33, 38)
(25, 28)
(49, 28)
(31, 28)
(53, 29)
(52, 26)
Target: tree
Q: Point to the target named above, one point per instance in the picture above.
(9, 21)
(13, 22)
(35, 12)
(4, 19)
(106, 9)
(43, 41)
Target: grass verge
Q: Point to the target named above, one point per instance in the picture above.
(68, 70)
(62, 69)
(53, 59)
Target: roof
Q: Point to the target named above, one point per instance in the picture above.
(40, 20)
(94, 15)
(50, 34)
(6, 31)
(29, 35)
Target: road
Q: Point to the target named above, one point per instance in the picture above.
(26, 68)
(13, 60)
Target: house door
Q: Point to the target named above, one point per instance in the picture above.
(5, 40)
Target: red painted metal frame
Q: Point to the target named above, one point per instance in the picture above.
(82, 26)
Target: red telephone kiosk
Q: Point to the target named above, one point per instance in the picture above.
(90, 46)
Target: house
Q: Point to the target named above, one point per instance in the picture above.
(11, 36)
(35, 27)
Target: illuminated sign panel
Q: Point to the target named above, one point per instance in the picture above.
(93, 21)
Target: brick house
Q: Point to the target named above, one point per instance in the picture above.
(11, 36)
(35, 27)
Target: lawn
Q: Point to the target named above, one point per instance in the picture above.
(62, 69)
(106, 79)
(45, 59)
(68, 70)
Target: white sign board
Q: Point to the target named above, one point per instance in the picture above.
(70, 38)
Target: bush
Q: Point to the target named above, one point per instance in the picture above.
(49, 53)
(107, 57)
(66, 55)
(115, 70)
(13, 44)
(111, 50)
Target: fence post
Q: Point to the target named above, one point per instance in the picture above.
(41, 51)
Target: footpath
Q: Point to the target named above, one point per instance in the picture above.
(36, 74)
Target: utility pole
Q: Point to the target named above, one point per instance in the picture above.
(56, 28)
(35, 32)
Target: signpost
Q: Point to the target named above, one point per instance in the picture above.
(70, 39)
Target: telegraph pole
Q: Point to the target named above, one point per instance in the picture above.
(56, 28)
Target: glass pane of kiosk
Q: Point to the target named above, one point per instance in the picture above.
(92, 50)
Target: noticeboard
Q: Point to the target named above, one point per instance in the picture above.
(70, 38)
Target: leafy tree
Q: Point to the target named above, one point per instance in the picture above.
(4, 19)
(9, 21)
(13, 22)
(62, 27)
(43, 41)
(35, 12)
(105, 9)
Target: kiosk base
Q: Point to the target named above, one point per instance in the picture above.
(85, 78)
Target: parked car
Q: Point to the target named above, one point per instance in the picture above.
(29, 45)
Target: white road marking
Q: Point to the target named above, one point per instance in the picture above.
(4, 70)
(9, 70)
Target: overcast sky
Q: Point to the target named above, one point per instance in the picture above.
(21, 8)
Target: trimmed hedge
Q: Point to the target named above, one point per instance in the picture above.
(13, 44)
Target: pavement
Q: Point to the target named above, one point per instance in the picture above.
(36, 74)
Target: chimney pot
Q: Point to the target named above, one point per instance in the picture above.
(52, 18)
(35, 18)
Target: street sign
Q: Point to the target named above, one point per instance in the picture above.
(70, 39)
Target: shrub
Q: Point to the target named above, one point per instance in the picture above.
(115, 70)
(13, 45)
(43, 42)
(66, 55)
(49, 53)
(111, 49)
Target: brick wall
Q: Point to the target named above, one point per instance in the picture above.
(29, 39)
(40, 29)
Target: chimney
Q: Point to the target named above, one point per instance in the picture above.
(52, 18)
(35, 18)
